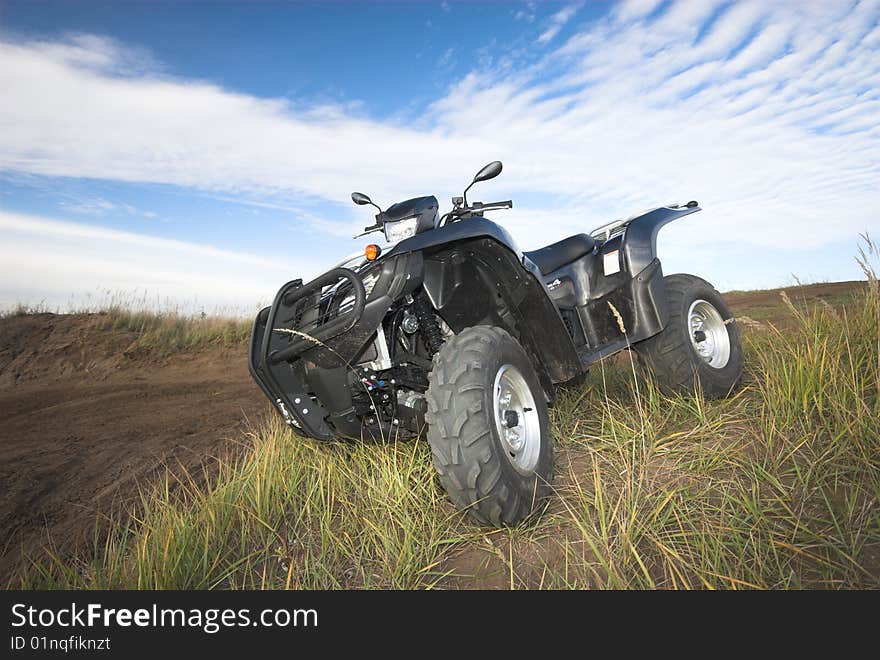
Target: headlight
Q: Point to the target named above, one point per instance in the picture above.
(397, 231)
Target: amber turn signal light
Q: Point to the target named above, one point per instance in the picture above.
(372, 252)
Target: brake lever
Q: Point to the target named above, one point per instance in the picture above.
(476, 209)
(369, 230)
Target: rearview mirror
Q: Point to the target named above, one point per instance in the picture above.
(360, 199)
(491, 170)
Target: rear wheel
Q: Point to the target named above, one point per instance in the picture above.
(488, 427)
(700, 347)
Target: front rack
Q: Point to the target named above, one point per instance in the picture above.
(300, 318)
(315, 318)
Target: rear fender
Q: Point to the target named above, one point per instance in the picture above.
(634, 288)
(640, 240)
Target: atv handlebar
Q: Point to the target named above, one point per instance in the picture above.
(474, 210)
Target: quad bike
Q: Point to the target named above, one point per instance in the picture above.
(450, 326)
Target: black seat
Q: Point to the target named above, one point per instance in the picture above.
(555, 255)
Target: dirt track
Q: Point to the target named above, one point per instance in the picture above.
(767, 305)
(85, 422)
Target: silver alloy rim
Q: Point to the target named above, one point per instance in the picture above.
(516, 419)
(708, 334)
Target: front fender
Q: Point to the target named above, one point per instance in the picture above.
(457, 231)
(483, 282)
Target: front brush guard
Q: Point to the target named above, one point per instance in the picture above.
(273, 350)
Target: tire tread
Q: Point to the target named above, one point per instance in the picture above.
(459, 432)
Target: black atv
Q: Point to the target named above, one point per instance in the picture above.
(451, 326)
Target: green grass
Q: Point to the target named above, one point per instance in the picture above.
(776, 487)
(290, 514)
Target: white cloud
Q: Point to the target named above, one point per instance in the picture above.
(98, 206)
(761, 49)
(634, 9)
(732, 28)
(149, 128)
(47, 259)
(764, 112)
(557, 22)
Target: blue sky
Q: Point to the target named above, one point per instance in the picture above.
(204, 153)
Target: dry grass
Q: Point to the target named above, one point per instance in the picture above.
(159, 325)
(776, 487)
(172, 330)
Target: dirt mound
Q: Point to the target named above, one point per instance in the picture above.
(87, 420)
(39, 346)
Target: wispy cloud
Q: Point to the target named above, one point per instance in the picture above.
(88, 206)
(527, 13)
(765, 112)
(635, 9)
(99, 206)
(557, 22)
(151, 128)
(446, 60)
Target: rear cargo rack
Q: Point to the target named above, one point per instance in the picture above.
(615, 227)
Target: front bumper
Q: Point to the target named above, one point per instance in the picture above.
(275, 347)
(302, 352)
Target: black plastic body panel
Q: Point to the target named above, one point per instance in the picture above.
(640, 245)
(626, 315)
(617, 309)
(425, 208)
(475, 274)
(482, 282)
(475, 227)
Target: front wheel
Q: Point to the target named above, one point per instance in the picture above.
(488, 427)
(700, 347)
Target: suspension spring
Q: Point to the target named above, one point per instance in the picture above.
(427, 323)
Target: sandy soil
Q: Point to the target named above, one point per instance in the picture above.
(84, 423)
